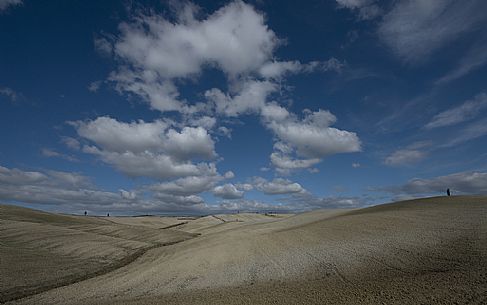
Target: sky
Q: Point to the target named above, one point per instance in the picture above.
(174, 107)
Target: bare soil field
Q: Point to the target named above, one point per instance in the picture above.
(425, 251)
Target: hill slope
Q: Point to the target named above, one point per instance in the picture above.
(40, 250)
(430, 251)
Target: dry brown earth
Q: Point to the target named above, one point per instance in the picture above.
(427, 251)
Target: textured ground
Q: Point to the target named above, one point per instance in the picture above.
(429, 251)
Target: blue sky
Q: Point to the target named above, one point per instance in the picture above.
(201, 107)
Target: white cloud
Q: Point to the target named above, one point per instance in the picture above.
(71, 143)
(304, 201)
(244, 186)
(187, 186)
(207, 122)
(278, 69)
(250, 98)
(228, 191)
(185, 201)
(5, 4)
(365, 9)
(464, 112)
(410, 154)
(190, 142)
(475, 58)
(149, 164)
(46, 152)
(356, 165)
(470, 132)
(103, 46)
(414, 29)
(154, 52)
(148, 149)
(8, 92)
(284, 164)
(311, 137)
(74, 192)
(127, 194)
(249, 205)
(161, 95)
(463, 183)
(404, 157)
(116, 136)
(94, 86)
(277, 186)
(234, 38)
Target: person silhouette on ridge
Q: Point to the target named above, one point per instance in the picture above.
(448, 192)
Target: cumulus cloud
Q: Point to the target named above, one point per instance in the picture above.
(277, 186)
(250, 205)
(116, 136)
(285, 164)
(152, 149)
(153, 51)
(311, 138)
(250, 98)
(5, 4)
(127, 194)
(460, 183)
(50, 187)
(228, 191)
(188, 185)
(75, 192)
(152, 165)
(414, 29)
(464, 112)
(155, 54)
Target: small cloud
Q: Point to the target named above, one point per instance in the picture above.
(103, 46)
(5, 4)
(356, 165)
(71, 143)
(94, 86)
(9, 93)
(277, 186)
(46, 152)
(365, 9)
(411, 154)
(228, 191)
(127, 194)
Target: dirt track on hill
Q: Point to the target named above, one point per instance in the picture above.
(430, 251)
